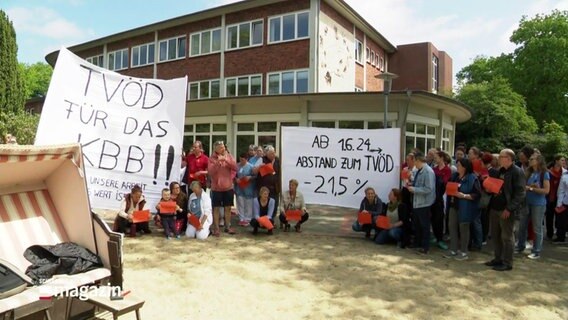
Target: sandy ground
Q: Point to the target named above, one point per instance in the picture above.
(334, 275)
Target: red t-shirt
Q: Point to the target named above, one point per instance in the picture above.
(445, 173)
(195, 164)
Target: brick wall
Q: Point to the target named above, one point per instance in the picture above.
(95, 51)
(267, 11)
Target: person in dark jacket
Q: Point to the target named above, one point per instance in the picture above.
(399, 220)
(504, 208)
(134, 201)
(270, 181)
(372, 204)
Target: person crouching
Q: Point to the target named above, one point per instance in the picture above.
(262, 206)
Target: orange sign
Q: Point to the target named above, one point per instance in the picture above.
(383, 222)
(141, 216)
(265, 222)
(493, 185)
(405, 174)
(477, 165)
(194, 221)
(266, 169)
(452, 188)
(243, 183)
(293, 215)
(168, 207)
(364, 218)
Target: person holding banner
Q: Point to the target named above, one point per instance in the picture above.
(244, 188)
(464, 205)
(197, 163)
(269, 175)
(199, 216)
(132, 202)
(423, 190)
(263, 208)
(371, 206)
(505, 206)
(222, 168)
(293, 207)
(396, 225)
(167, 208)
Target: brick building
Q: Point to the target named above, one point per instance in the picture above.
(257, 65)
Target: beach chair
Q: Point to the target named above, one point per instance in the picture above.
(44, 201)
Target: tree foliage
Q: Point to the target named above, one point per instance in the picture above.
(21, 124)
(11, 94)
(554, 140)
(36, 79)
(499, 116)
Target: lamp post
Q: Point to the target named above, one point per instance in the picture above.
(387, 77)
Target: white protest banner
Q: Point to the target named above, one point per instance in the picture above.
(131, 129)
(335, 166)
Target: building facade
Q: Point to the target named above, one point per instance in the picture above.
(255, 66)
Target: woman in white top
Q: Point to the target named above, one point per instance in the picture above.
(200, 206)
(293, 200)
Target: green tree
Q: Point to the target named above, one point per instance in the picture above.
(36, 79)
(21, 124)
(540, 71)
(554, 140)
(11, 93)
(499, 118)
(484, 69)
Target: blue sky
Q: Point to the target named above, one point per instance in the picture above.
(463, 28)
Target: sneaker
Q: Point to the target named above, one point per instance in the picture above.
(178, 236)
(484, 243)
(534, 256)
(529, 246)
(442, 245)
(450, 254)
(168, 238)
(461, 256)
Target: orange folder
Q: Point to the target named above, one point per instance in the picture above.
(243, 183)
(493, 185)
(140, 216)
(559, 210)
(452, 188)
(167, 207)
(405, 174)
(265, 222)
(293, 215)
(194, 221)
(266, 169)
(383, 222)
(477, 165)
(364, 218)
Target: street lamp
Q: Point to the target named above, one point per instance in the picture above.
(387, 77)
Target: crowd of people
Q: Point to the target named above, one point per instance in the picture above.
(456, 204)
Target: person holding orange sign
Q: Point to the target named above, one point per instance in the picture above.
(244, 190)
(263, 207)
(200, 216)
(167, 209)
(371, 206)
(293, 207)
(397, 220)
(132, 202)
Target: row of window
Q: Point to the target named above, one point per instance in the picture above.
(285, 82)
(372, 57)
(288, 27)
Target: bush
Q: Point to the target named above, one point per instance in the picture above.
(22, 125)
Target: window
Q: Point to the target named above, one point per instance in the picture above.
(289, 27)
(204, 89)
(172, 49)
(377, 60)
(244, 86)
(435, 75)
(372, 58)
(351, 124)
(359, 51)
(143, 55)
(446, 135)
(96, 60)
(420, 136)
(205, 42)
(288, 82)
(245, 34)
(368, 55)
(382, 64)
(118, 60)
(207, 133)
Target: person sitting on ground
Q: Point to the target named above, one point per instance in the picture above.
(399, 220)
(262, 206)
(293, 200)
(371, 204)
(167, 216)
(134, 201)
(180, 198)
(200, 207)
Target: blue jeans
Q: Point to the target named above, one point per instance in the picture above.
(536, 214)
(477, 231)
(392, 234)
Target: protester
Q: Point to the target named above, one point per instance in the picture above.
(134, 201)
(181, 200)
(524, 156)
(167, 216)
(411, 169)
(430, 157)
(251, 152)
(504, 208)
(463, 209)
(197, 163)
(442, 172)
(488, 161)
(399, 221)
(537, 187)
(562, 211)
(199, 205)
(270, 180)
(221, 168)
(292, 199)
(370, 204)
(424, 194)
(476, 227)
(244, 189)
(256, 160)
(556, 171)
(262, 206)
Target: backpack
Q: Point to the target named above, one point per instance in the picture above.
(12, 281)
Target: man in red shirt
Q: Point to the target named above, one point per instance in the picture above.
(197, 163)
